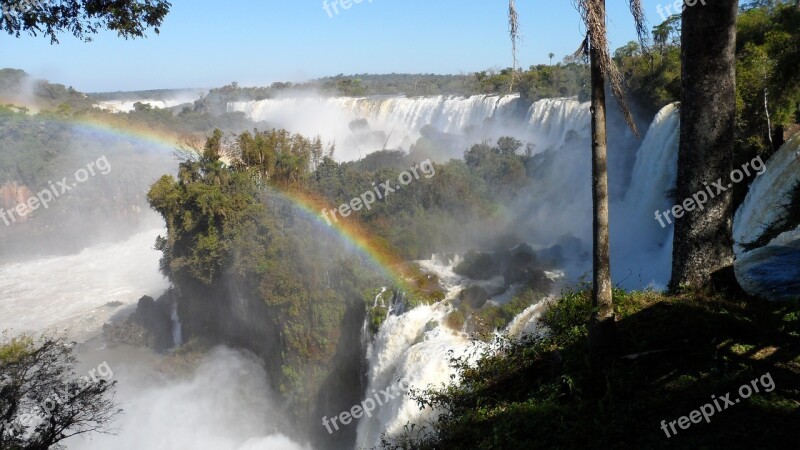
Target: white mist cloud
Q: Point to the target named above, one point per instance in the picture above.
(225, 404)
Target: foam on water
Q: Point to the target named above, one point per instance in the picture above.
(71, 292)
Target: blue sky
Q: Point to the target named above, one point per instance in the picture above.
(207, 43)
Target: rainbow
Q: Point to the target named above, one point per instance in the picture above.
(377, 250)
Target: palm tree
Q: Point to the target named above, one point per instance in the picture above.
(703, 242)
(551, 57)
(593, 12)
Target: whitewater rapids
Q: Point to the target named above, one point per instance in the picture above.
(224, 404)
(78, 293)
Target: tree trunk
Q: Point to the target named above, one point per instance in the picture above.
(769, 120)
(703, 240)
(602, 324)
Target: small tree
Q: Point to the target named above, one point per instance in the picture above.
(42, 401)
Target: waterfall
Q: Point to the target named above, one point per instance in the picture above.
(177, 338)
(642, 248)
(772, 271)
(768, 193)
(413, 346)
(416, 347)
(399, 120)
(379, 296)
(167, 100)
(550, 121)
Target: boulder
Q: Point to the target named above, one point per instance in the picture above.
(520, 265)
(478, 266)
(474, 296)
(149, 326)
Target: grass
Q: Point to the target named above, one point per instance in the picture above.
(673, 352)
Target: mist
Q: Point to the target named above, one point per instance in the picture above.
(221, 402)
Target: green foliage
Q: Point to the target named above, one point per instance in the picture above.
(228, 230)
(653, 79)
(491, 318)
(567, 318)
(16, 85)
(548, 81)
(673, 353)
(377, 315)
(428, 216)
(83, 18)
(499, 166)
(280, 158)
(768, 54)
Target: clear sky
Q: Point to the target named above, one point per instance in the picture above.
(206, 43)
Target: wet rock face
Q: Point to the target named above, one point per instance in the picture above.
(771, 272)
(520, 265)
(474, 296)
(479, 266)
(12, 195)
(148, 326)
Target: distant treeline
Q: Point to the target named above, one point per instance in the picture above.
(153, 94)
(18, 88)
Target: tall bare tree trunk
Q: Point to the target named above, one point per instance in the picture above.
(513, 31)
(602, 325)
(703, 241)
(769, 119)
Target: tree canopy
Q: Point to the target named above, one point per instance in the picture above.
(82, 18)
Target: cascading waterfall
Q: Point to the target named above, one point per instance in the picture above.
(763, 205)
(550, 121)
(416, 346)
(772, 270)
(644, 256)
(177, 336)
(365, 333)
(546, 122)
(379, 297)
(174, 99)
